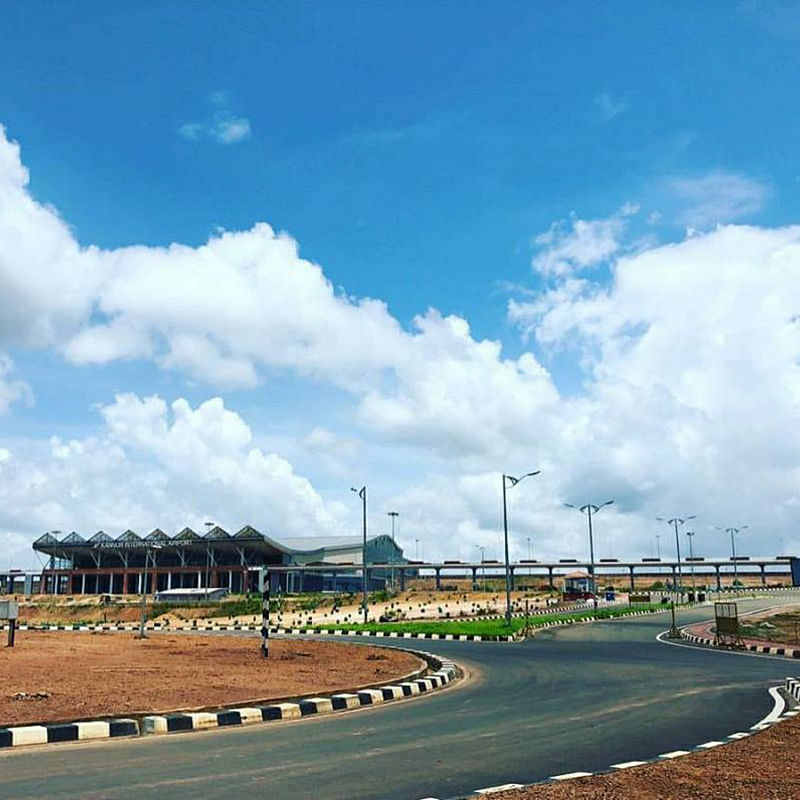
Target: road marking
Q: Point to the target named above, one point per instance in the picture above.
(777, 709)
(628, 764)
(568, 776)
(712, 649)
(709, 745)
(503, 788)
(739, 735)
(675, 754)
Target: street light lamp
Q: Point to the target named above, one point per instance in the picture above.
(483, 563)
(733, 531)
(676, 521)
(143, 618)
(513, 482)
(691, 535)
(589, 509)
(362, 493)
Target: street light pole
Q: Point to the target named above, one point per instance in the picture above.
(676, 521)
(209, 526)
(513, 481)
(143, 617)
(393, 515)
(362, 493)
(482, 550)
(589, 509)
(690, 534)
(733, 531)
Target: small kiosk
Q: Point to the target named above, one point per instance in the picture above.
(578, 585)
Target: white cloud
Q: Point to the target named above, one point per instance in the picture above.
(569, 246)
(717, 197)
(156, 465)
(222, 126)
(11, 389)
(609, 106)
(691, 401)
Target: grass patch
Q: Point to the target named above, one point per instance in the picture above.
(488, 627)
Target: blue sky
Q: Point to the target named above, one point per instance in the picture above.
(413, 150)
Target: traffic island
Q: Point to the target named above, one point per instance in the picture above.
(118, 686)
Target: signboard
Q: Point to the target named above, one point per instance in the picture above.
(726, 617)
(9, 609)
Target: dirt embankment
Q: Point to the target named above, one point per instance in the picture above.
(115, 674)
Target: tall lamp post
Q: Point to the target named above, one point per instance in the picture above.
(589, 509)
(482, 551)
(143, 617)
(676, 522)
(512, 481)
(733, 531)
(690, 535)
(362, 493)
(209, 526)
(393, 515)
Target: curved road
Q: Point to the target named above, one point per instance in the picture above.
(578, 698)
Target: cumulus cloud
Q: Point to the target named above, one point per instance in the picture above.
(222, 126)
(690, 400)
(154, 464)
(717, 197)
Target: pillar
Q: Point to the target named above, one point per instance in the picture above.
(83, 583)
(633, 583)
(719, 579)
(199, 579)
(511, 577)
(474, 579)
(438, 578)
(550, 576)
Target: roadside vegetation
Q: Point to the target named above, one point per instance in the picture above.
(486, 627)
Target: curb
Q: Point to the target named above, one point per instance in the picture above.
(157, 724)
(791, 688)
(761, 649)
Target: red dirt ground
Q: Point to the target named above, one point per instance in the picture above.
(113, 674)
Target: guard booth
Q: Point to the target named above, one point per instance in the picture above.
(578, 585)
(9, 611)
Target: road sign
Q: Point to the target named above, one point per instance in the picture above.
(9, 609)
(726, 618)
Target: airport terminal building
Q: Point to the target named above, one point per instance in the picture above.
(102, 564)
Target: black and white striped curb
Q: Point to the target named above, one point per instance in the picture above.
(445, 673)
(762, 649)
(791, 689)
(67, 732)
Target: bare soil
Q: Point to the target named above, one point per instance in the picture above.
(114, 674)
(764, 766)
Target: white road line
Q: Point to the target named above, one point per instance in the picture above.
(628, 764)
(568, 776)
(709, 745)
(503, 788)
(739, 735)
(777, 709)
(675, 754)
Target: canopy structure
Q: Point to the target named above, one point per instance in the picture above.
(100, 563)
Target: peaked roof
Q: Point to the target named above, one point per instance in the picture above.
(101, 536)
(156, 535)
(217, 533)
(129, 536)
(186, 535)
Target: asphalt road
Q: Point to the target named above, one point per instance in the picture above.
(578, 698)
